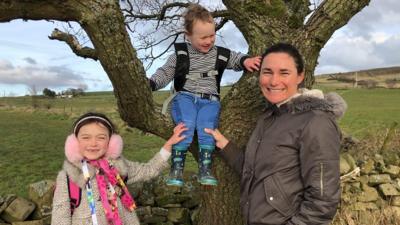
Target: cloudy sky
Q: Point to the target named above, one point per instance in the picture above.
(29, 59)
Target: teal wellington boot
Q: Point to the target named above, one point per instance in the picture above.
(177, 164)
(205, 162)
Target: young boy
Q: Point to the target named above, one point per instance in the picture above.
(196, 68)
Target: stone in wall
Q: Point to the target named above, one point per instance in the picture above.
(377, 179)
(395, 201)
(41, 193)
(392, 170)
(388, 190)
(179, 215)
(6, 201)
(368, 194)
(18, 210)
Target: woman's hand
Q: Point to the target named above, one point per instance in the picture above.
(176, 137)
(220, 140)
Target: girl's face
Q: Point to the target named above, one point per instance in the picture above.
(93, 140)
(279, 79)
(202, 36)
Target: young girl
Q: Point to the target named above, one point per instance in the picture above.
(94, 164)
(196, 68)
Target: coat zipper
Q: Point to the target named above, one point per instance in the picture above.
(321, 178)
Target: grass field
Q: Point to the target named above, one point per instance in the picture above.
(32, 141)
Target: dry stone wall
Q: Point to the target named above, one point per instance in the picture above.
(367, 185)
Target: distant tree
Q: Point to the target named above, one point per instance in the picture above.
(368, 83)
(33, 93)
(49, 93)
(391, 83)
(74, 92)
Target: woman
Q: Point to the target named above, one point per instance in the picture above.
(290, 169)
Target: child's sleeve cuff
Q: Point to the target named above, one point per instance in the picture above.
(165, 154)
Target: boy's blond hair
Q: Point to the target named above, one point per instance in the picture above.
(193, 13)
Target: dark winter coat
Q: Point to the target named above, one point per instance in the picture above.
(290, 169)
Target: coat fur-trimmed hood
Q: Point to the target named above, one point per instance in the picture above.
(308, 100)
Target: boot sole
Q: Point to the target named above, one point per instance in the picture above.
(176, 183)
(208, 182)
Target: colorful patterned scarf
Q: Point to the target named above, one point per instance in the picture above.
(111, 186)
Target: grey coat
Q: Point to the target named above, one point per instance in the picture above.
(61, 214)
(290, 169)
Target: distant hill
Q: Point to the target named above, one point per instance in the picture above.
(388, 77)
(388, 71)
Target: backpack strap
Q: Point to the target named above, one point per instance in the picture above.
(182, 65)
(75, 193)
(223, 56)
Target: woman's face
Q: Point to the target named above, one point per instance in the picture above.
(93, 140)
(279, 78)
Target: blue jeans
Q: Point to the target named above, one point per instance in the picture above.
(195, 113)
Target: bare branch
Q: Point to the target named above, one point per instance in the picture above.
(331, 15)
(73, 43)
(153, 58)
(158, 16)
(162, 25)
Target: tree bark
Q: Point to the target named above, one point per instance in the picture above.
(262, 23)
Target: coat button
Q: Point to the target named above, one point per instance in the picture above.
(259, 141)
(271, 198)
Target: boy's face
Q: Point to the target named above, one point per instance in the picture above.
(202, 36)
(93, 140)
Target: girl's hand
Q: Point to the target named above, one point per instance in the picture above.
(220, 140)
(176, 137)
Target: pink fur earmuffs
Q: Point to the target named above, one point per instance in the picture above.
(72, 148)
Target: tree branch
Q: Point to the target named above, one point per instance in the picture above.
(332, 15)
(163, 11)
(37, 10)
(158, 16)
(73, 43)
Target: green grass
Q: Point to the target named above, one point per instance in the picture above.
(32, 141)
(369, 110)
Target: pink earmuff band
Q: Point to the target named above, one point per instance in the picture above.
(72, 153)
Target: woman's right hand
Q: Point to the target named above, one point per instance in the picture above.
(220, 140)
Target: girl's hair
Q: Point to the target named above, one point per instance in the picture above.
(93, 117)
(196, 12)
(288, 49)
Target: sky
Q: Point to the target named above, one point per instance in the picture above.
(29, 60)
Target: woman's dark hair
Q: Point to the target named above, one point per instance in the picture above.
(288, 49)
(93, 117)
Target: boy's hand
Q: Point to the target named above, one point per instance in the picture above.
(176, 137)
(252, 64)
(220, 140)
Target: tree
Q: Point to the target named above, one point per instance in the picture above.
(33, 93)
(49, 93)
(391, 83)
(262, 23)
(74, 92)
